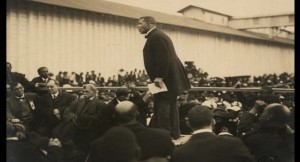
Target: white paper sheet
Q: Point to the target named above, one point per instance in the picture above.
(154, 89)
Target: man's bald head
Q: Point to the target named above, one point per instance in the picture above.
(275, 115)
(126, 111)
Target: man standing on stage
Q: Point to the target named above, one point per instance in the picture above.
(163, 66)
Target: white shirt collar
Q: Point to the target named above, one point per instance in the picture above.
(56, 94)
(150, 30)
(225, 133)
(202, 131)
(90, 99)
(23, 96)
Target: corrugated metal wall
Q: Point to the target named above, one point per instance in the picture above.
(65, 39)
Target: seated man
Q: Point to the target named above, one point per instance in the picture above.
(21, 107)
(274, 139)
(52, 107)
(124, 94)
(80, 120)
(154, 143)
(117, 145)
(18, 150)
(204, 145)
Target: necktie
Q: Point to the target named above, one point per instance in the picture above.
(54, 97)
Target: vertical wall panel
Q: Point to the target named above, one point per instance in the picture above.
(66, 39)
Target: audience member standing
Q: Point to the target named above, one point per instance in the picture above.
(40, 82)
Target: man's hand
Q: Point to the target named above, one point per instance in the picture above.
(54, 142)
(57, 114)
(15, 120)
(158, 82)
(147, 95)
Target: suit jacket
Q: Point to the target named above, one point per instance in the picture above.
(208, 147)
(80, 122)
(22, 151)
(47, 105)
(41, 90)
(85, 113)
(161, 61)
(13, 105)
(267, 144)
(14, 110)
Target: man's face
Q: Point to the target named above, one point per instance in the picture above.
(52, 87)
(88, 93)
(143, 27)
(18, 90)
(44, 72)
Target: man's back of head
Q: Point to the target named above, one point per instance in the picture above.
(200, 117)
(275, 115)
(125, 112)
(118, 144)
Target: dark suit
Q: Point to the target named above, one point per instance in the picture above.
(40, 90)
(46, 107)
(161, 61)
(267, 144)
(22, 151)
(80, 122)
(24, 110)
(153, 142)
(108, 113)
(208, 147)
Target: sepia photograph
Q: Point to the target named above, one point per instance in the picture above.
(150, 81)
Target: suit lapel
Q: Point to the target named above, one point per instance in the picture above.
(48, 100)
(80, 106)
(58, 98)
(15, 102)
(89, 105)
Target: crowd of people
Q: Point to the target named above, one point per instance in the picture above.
(45, 123)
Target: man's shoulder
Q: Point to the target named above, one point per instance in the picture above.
(36, 79)
(31, 95)
(17, 74)
(66, 95)
(10, 99)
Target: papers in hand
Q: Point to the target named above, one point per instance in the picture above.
(154, 89)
